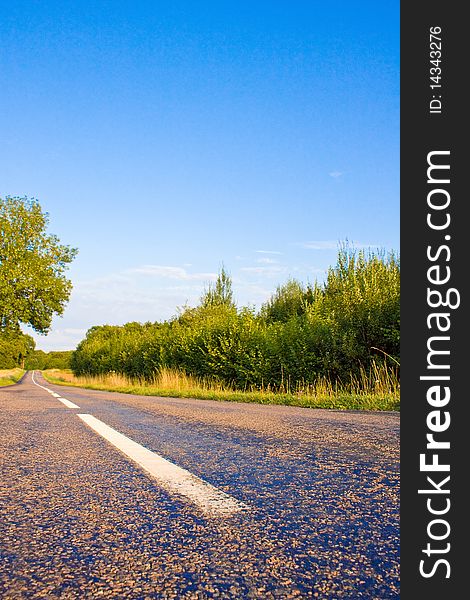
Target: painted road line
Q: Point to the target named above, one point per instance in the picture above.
(171, 477)
(67, 403)
(38, 384)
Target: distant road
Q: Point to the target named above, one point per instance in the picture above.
(107, 495)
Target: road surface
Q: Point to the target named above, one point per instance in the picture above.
(244, 500)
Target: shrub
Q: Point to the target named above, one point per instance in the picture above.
(303, 333)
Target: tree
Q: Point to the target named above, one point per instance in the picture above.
(220, 294)
(15, 348)
(33, 285)
(362, 299)
(289, 300)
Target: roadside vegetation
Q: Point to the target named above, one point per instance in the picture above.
(17, 350)
(10, 376)
(334, 344)
(377, 390)
(15, 347)
(40, 360)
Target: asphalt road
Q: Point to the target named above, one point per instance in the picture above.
(319, 492)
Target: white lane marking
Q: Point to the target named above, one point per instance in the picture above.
(67, 403)
(173, 478)
(38, 384)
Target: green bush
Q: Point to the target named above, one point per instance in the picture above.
(302, 333)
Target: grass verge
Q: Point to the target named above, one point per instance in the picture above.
(10, 376)
(378, 389)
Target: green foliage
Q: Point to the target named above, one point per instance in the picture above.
(220, 294)
(301, 334)
(289, 300)
(362, 298)
(33, 286)
(48, 360)
(15, 347)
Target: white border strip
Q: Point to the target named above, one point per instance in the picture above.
(173, 478)
(38, 384)
(67, 403)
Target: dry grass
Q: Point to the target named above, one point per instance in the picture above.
(376, 389)
(10, 376)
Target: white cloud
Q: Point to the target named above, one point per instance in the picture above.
(333, 245)
(96, 302)
(335, 174)
(267, 261)
(171, 273)
(251, 294)
(59, 339)
(268, 271)
(320, 245)
(268, 252)
(148, 293)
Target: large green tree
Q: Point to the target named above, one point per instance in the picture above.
(33, 285)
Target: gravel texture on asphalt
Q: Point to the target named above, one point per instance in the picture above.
(80, 520)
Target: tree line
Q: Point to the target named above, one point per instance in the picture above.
(303, 332)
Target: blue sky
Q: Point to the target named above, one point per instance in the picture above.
(167, 138)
